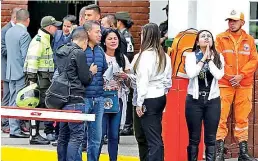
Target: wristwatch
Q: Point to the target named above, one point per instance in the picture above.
(208, 60)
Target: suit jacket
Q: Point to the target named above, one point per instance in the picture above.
(4, 51)
(17, 41)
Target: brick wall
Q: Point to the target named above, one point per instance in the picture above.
(7, 7)
(139, 12)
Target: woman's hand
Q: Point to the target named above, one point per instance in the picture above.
(123, 75)
(207, 54)
(210, 54)
(139, 111)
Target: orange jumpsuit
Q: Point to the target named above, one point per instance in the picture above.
(240, 56)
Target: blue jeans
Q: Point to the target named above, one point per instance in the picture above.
(70, 135)
(15, 86)
(94, 129)
(111, 122)
(84, 143)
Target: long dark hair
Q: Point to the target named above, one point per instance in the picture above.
(151, 40)
(216, 55)
(128, 23)
(119, 56)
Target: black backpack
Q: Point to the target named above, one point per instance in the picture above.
(58, 93)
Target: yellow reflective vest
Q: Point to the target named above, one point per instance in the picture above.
(40, 55)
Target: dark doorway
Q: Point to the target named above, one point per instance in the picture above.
(57, 9)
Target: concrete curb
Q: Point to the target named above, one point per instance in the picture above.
(9, 153)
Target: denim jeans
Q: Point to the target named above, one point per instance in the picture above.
(70, 135)
(206, 111)
(111, 122)
(94, 129)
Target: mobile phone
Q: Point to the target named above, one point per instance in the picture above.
(144, 109)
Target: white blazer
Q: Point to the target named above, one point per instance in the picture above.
(193, 70)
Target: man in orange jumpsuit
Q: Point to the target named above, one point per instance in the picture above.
(240, 54)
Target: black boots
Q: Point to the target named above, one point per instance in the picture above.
(127, 130)
(210, 153)
(38, 140)
(243, 152)
(35, 137)
(192, 153)
(219, 150)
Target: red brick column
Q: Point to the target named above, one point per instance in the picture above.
(7, 7)
(139, 12)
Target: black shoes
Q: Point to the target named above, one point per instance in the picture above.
(210, 152)
(38, 140)
(127, 131)
(243, 152)
(105, 139)
(219, 150)
(192, 153)
(20, 135)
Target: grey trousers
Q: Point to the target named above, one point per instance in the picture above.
(15, 86)
(5, 102)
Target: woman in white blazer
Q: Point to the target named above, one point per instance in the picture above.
(204, 67)
(153, 79)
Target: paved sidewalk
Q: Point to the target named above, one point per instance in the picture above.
(127, 146)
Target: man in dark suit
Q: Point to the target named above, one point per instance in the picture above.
(6, 92)
(17, 41)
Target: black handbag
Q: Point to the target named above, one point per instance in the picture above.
(58, 93)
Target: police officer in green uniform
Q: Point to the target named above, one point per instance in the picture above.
(39, 68)
(163, 27)
(124, 23)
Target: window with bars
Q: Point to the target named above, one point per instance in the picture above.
(253, 23)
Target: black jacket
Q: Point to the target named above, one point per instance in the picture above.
(123, 48)
(72, 58)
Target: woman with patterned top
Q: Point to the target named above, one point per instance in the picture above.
(115, 80)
